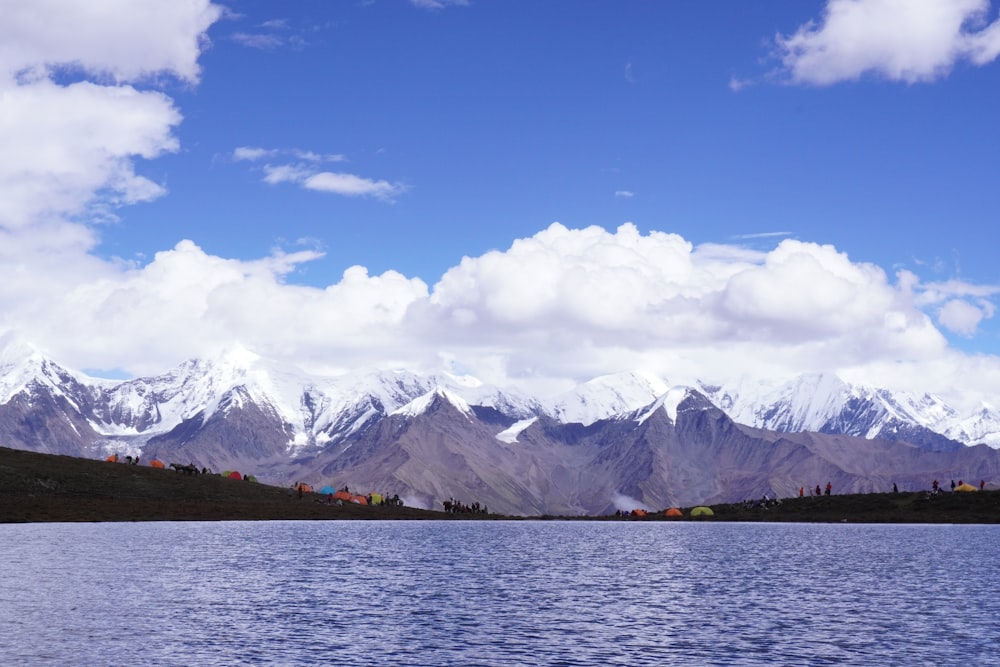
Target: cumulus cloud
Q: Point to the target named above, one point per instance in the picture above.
(68, 149)
(900, 40)
(117, 38)
(625, 294)
(561, 306)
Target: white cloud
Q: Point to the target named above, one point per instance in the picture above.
(560, 306)
(262, 41)
(438, 4)
(68, 149)
(352, 186)
(307, 174)
(624, 194)
(120, 38)
(960, 316)
(900, 40)
(253, 153)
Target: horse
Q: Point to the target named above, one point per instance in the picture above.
(187, 469)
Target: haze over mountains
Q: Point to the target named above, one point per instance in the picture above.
(615, 442)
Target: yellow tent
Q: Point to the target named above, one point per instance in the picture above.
(966, 487)
(702, 511)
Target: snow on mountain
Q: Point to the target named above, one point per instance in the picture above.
(983, 426)
(22, 365)
(607, 396)
(420, 405)
(317, 410)
(509, 435)
(825, 403)
(669, 402)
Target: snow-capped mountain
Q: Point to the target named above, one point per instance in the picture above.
(605, 397)
(422, 434)
(826, 404)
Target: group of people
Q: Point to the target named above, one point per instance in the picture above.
(936, 486)
(818, 491)
(456, 507)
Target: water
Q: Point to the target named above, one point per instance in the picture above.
(497, 593)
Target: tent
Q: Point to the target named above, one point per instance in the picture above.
(966, 487)
(303, 487)
(639, 512)
(359, 500)
(156, 463)
(376, 498)
(112, 459)
(342, 495)
(702, 511)
(327, 490)
(235, 475)
(673, 511)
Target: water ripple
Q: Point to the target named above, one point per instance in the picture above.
(497, 593)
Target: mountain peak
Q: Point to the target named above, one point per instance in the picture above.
(422, 404)
(670, 401)
(607, 396)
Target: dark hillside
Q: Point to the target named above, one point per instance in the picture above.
(44, 487)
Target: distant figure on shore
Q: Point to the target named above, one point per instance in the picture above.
(894, 489)
(982, 484)
(802, 491)
(952, 485)
(819, 491)
(829, 488)
(934, 487)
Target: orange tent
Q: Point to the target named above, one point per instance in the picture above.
(112, 459)
(342, 495)
(156, 463)
(359, 500)
(673, 511)
(638, 512)
(303, 487)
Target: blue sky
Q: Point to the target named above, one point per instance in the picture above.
(828, 164)
(500, 118)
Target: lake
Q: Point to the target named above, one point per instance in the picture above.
(498, 593)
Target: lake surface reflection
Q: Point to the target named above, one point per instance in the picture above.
(498, 593)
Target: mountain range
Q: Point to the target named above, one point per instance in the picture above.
(616, 442)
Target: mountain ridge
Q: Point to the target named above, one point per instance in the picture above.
(625, 439)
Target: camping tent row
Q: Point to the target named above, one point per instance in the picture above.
(341, 495)
(695, 512)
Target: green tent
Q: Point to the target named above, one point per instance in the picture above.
(702, 511)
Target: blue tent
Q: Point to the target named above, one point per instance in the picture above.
(327, 491)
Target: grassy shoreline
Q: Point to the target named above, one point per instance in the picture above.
(48, 488)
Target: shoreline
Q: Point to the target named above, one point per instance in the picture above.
(46, 488)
